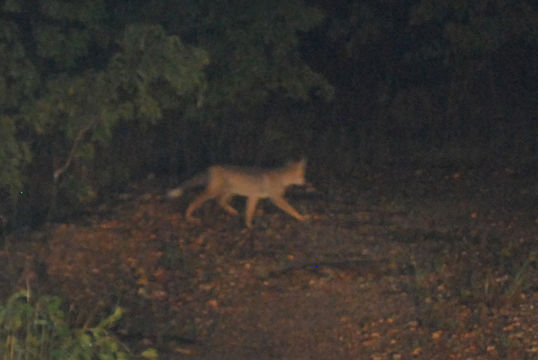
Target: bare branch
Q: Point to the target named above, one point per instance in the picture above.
(74, 149)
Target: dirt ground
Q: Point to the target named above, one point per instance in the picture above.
(408, 264)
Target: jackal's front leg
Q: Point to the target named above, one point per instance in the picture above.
(284, 205)
(251, 207)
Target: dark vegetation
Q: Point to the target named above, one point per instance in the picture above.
(419, 120)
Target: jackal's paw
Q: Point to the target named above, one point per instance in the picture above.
(232, 211)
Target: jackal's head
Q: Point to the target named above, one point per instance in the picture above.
(296, 171)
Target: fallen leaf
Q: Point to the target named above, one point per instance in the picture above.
(109, 225)
(207, 286)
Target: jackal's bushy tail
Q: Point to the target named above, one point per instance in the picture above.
(174, 193)
(200, 179)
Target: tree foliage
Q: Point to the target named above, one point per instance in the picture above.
(93, 94)
(70, 78)
(89, 90)
(256, 62)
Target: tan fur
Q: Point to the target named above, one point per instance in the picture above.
(223, 182)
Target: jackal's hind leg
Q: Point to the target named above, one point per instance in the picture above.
(197, 202)
(224, 201)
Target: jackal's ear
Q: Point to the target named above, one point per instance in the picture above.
(301, 163)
